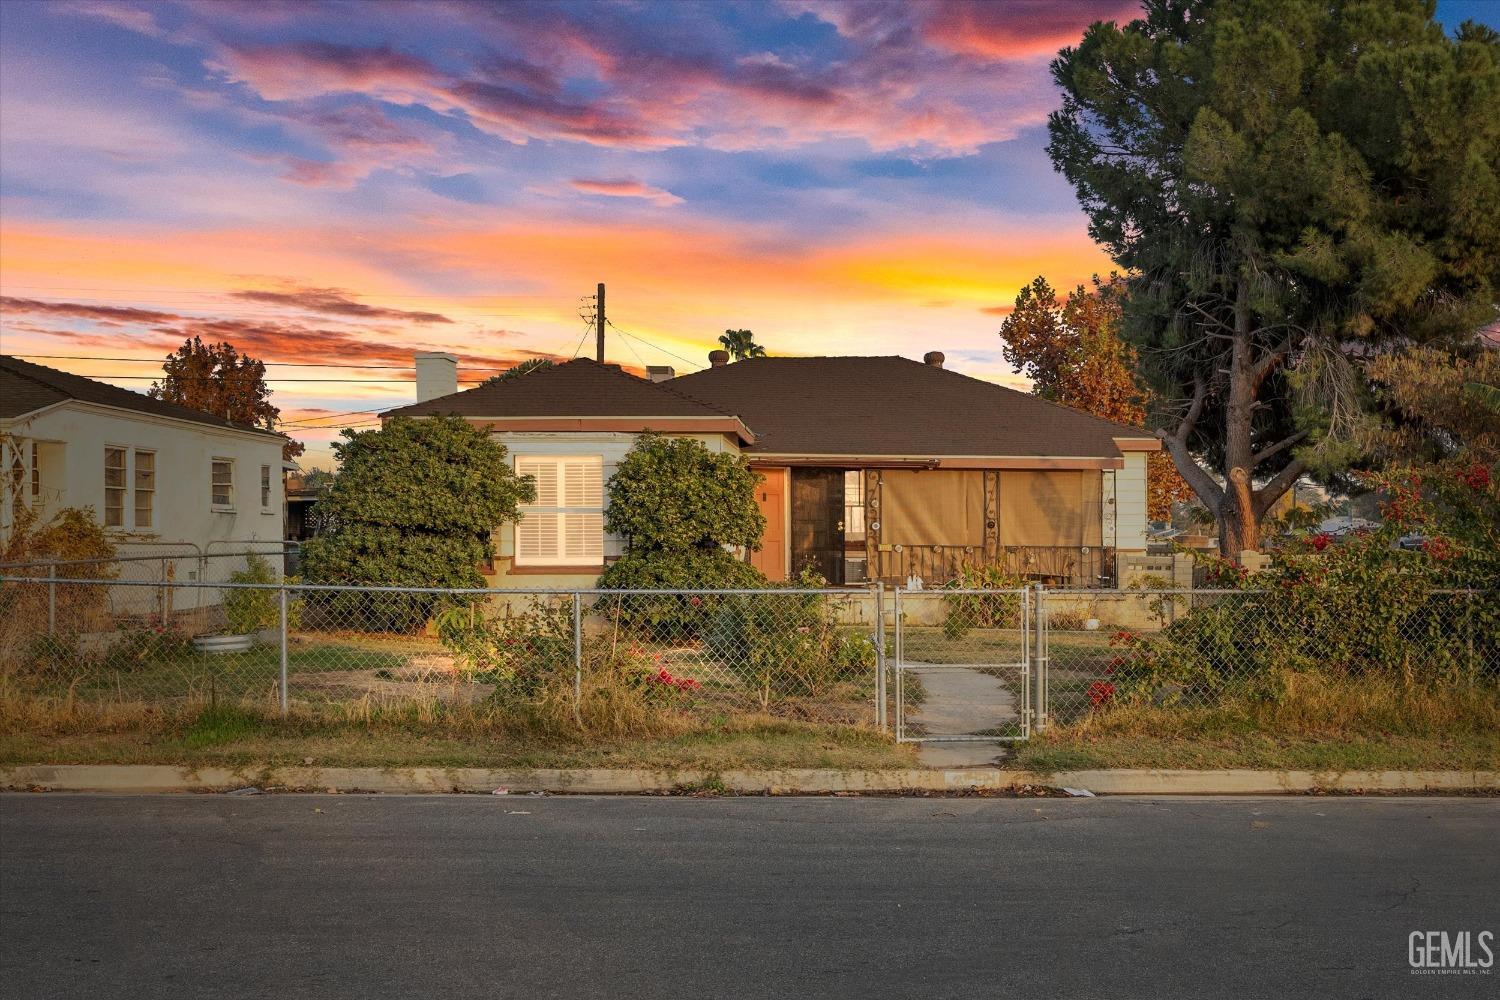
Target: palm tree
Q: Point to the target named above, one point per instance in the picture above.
(741, 345)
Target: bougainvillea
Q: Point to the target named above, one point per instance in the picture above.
(1428, 608)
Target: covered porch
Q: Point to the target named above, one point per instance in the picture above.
(922, 521)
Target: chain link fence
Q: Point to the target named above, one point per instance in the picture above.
(810, 655)
(1198, 647)
(965, 664)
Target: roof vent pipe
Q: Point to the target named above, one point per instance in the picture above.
(933, 358)
(718, 358)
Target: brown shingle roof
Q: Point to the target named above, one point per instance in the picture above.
(893, 406)
(578, 388)
(27, 387)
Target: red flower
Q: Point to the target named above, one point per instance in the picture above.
(1100, 692)
(1476, 478)
(695, 601)
(1438, 548)
(1320, 541)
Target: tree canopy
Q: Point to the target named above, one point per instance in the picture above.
(741, 345)
(1293, 187)
(520, 368)
(217, 379)
(1073, 354)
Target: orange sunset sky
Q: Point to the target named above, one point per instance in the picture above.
(344, 184)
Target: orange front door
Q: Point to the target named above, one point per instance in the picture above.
(770, 495)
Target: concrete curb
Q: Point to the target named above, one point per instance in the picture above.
(136, 778)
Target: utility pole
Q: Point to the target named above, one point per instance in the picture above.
(599, 323)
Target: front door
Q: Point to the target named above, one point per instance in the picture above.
(818, 522)
(770, 496)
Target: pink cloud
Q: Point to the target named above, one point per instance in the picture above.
(626, 188)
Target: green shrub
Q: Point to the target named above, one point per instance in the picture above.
(674, 495)
(963, 612)
(789, 644)
(247, 611)
(147, 645)
(415, 504)
(678, 505)
(672, 617)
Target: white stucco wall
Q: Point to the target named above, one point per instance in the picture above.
(73, 437)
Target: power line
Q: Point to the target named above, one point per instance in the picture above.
(658, 347)
(10, 289)
(278, 381)
(268, 364)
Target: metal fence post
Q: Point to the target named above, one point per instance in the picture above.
(283, 623)
(1041, 658)
(577, 652)
(880, 655)
(52, 599)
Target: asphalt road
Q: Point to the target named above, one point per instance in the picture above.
(375, 897)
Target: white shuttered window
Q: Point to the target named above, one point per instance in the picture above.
(565, 526)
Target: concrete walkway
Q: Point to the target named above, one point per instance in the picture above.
(960, 699)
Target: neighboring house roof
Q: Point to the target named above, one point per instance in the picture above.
(26, 388)
(577, 388)
(894, 406)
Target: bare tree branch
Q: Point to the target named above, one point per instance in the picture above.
(1271, 451)
(1278, 484)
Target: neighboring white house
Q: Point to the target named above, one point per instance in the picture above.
(159, 477)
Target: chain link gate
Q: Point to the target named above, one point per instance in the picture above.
(965, 664)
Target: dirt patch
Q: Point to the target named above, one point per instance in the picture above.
(432, 676)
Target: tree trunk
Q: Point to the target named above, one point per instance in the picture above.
(1239, 523)
(1236, 505)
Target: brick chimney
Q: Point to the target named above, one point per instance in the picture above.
(933, 358)
(718, 359)
(437, 375)
(660, 373)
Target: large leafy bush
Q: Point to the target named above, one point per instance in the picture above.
(1427, 611)
(678, 505)
(414, 504)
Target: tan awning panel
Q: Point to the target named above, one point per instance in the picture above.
(935, 507)
(1051, 508)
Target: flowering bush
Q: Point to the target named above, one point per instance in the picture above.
(515, 653)
(1366, 604)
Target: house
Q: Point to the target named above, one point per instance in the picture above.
(873, 468)
(159, 477)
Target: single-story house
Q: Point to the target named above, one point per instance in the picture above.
(159, 477)
(873, 468)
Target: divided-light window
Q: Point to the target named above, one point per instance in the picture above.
(565, 526)
(115, 487)
(223, 483)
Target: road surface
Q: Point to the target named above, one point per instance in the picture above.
(518, 896)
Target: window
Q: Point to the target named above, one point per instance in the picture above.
(223, 484)
(265, 489)
(145, 487)
(565, 526)
(36, 475)
(114, 487)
